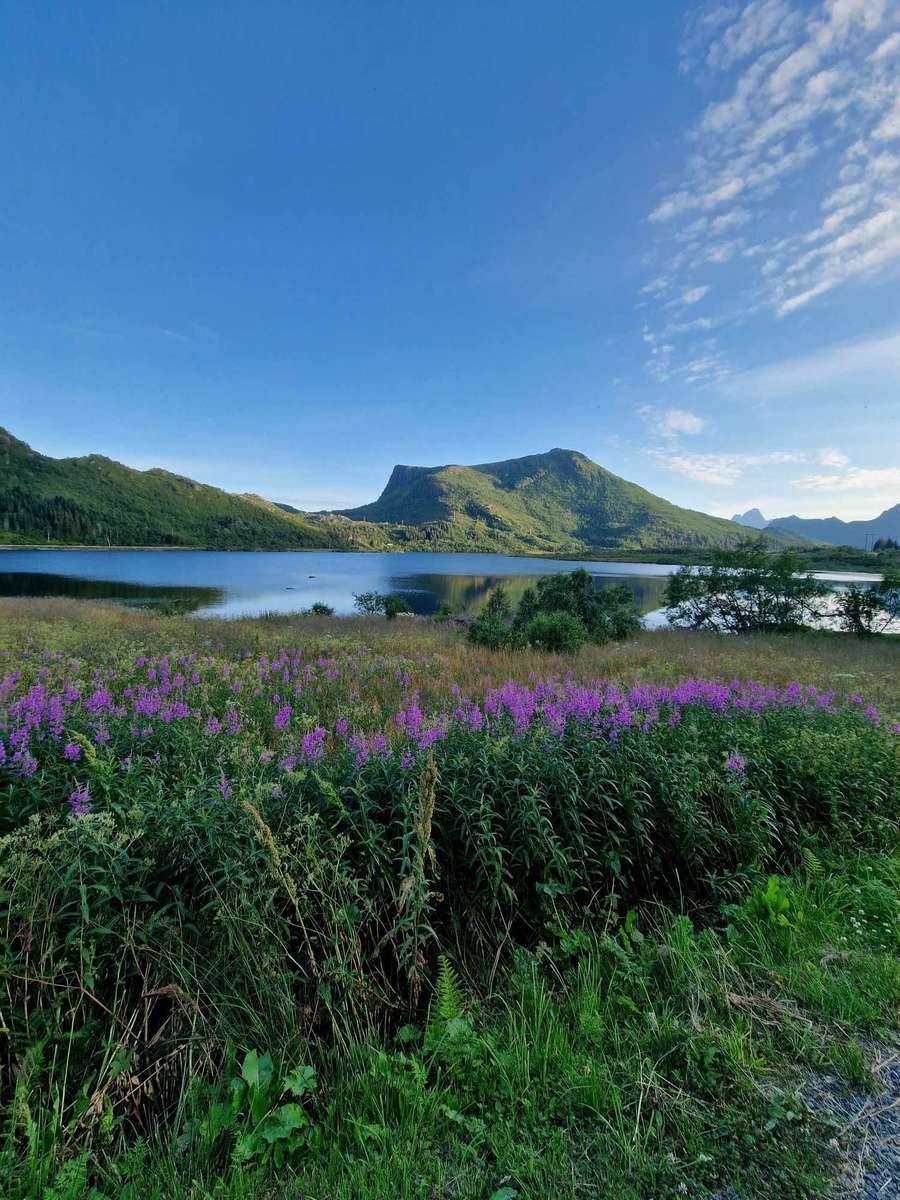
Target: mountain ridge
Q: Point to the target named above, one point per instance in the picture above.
(581, 503)
(557, 502)
(835, 532)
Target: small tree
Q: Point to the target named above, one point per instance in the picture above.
(746, 590)
(395, 604)
(373, 604)
(491, 627)
(607, 614)
(592, 614)
(318, 609)
(869, 609)
(370, 604)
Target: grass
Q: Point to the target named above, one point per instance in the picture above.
(518, 967)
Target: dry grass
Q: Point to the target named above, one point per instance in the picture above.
(441, 657)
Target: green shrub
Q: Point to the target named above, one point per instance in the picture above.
(556, 632)
(394, 605)
(492, 627)
(389, 605)
(558, 615)
(318, 609)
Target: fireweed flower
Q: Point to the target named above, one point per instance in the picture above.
(736, 764)
(282, 717)
(312, 745)
(72, 752)
(80, 802)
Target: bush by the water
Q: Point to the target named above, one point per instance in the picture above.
(390, 604)
(560, 614)
(746, 590)
(749, 589)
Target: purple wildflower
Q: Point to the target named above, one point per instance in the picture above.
(71, 752)
(312, 745)
(736, 764)
(282, 717)
(80, 802)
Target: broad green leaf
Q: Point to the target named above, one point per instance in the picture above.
(282, 1122)
(300, 1081)
(247, 1146)
(257, 1070)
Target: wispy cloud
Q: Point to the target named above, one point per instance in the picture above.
(672, 422)
(797, 86)
(830, 457)
(870, 479)
(856, 361)
(719, 469)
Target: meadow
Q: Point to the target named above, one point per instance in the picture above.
(318, 908)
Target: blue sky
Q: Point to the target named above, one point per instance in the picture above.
(281, 246)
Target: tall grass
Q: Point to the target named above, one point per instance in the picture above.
(528, 954)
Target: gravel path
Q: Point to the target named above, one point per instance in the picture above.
(867, 1127)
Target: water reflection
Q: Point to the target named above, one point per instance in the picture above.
(170, 597)
(465, 594)
(230, 584)
(425, 593)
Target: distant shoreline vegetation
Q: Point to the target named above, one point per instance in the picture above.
(813, 558)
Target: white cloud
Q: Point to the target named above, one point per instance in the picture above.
(854, 362)
(694, 295)
(730, 220)
(723, 470)
(870, 479)
(797, 65)
(889, 47)
(814, 82)
(866, 248)
(757, 25)
(829, 457)
(672, 422)
(888, 128)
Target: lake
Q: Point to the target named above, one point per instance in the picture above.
(233, 583)
(227, 584)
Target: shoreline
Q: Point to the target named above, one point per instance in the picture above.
(819, 559)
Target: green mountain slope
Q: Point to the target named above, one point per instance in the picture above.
(554, 501)
(95, 501)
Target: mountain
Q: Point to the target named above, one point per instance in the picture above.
(95, 501)
(556, 501)
(752, 518)
(836, 532)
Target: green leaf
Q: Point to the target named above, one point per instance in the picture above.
(257, 1070)
(300, 1081)
(247, 1146)
(504, 1193)
(282, 1122)
(407, 1033)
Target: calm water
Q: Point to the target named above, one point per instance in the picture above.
(221, 584)
(232, 584)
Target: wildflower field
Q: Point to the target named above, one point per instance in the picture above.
(320, 908)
